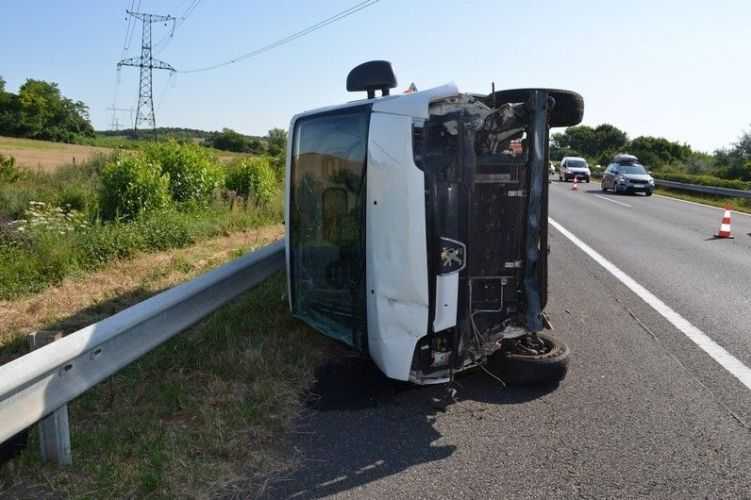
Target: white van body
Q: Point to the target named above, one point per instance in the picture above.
(390, 285)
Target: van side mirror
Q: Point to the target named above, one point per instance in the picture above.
(371, 76)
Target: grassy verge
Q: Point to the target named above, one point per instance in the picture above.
(83, 300)
(202, 414)
(66, 222)
(737, 204)
(30, 264)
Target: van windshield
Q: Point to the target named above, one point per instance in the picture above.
(326, 222)
(576, 163)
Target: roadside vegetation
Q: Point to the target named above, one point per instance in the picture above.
(736, 204)
(203, 415)
(80, 217)
(730, 167)
(41, 112)
(207, 412)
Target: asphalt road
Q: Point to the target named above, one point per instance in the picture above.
(645, 412)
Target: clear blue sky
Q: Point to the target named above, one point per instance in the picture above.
(678, 68)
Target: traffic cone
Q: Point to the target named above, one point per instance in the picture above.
(725, 226)
(575, 187)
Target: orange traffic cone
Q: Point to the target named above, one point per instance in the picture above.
(575, 187)
(725, 226)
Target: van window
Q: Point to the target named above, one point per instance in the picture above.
(572, 163)
(327, 222)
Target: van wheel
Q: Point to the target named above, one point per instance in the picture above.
(531, 360)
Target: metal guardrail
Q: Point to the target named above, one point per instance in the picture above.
(719, 191)
(33, 387)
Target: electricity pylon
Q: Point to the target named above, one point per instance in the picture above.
(146, 63)
(115, 121)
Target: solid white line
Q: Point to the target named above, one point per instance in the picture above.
(715, 351)
(613, 201)
(699, 204)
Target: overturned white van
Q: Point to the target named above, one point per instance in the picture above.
(417, 226)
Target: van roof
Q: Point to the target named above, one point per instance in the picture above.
(415, 104)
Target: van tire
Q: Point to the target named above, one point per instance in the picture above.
(525, 369)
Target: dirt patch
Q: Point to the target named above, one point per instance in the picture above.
(82, 300)
(48, 156)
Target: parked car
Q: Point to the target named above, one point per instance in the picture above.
(573, 167)
(407, 260)
(627, 175)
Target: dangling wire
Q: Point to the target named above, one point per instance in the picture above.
(171, 83)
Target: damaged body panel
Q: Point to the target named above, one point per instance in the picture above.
(417, 224)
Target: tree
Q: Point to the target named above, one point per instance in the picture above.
(8, 110)
(229, 140)
(658, 152)
(598, 144)
(40, 111)
(277, 139)
(735, 162)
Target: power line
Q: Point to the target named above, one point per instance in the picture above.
(294, 36)
(170, 83)
(127, 28)
(132, 26)
(162, 44)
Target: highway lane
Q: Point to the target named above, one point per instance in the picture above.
(643, 412)
(667, 246)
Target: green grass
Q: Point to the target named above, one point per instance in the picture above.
(30, 264)
(702, 180)
(212, 404)
(44, 256)
(737, 204)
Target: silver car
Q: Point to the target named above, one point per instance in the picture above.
(573, 167)
(626, 175)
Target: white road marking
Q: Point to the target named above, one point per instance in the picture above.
(699, 204)
(702, 340)
(613, 201)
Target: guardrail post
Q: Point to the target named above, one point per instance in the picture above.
(54, 431)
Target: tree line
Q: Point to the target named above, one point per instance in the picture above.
(40, 111)
(599, 144)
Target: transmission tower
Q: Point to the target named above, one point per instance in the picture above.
(146, 63)
(115, 121)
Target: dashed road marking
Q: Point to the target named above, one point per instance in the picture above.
(613, 201)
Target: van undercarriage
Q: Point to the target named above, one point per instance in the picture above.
(486, 186)
(417, 224)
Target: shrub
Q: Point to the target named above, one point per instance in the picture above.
(79, 198)
(252, 178)
(15, 199)
(193, 171)
(702, 180)
(132, 185)
(165, 229)
(8, 170)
